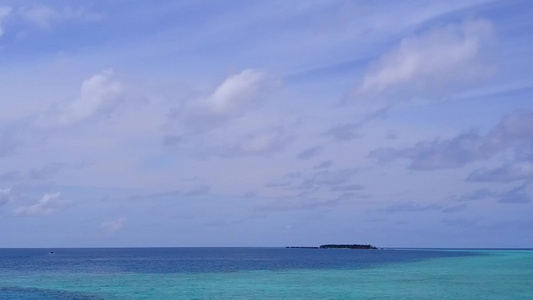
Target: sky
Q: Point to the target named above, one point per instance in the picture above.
(266, 123)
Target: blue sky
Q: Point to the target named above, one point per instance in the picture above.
(266, 123)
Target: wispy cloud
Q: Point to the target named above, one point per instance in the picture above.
(6, 195)
(45, 16)
(347, 188)
(516, 195)
(48, 204)
(236, 93)
(264, 142)
(112, 226)
(441, 153)
(231, 99)
(99, 94)
(505, 173)
(200, 190)
(443, 58)
(324, 165)
(513, 132)
(344, 132)
(286, 181)
(455, 208)
(40, 173)
(410, 207)
(310, 152)
(301, 202)
(479, 194)
(4, 12)
(329, 177)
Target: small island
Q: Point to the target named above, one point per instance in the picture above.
(347, 246)
(337, 246)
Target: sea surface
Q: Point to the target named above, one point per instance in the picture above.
(264, 273)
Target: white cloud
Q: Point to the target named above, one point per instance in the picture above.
(99, 94)
(236, 92)
(4, 12)
(231, 99)
(113, 225)
(48, 204)
(44, 16)
(431, 63)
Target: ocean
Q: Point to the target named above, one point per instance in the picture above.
(264, 273)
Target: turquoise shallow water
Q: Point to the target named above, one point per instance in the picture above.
(340, 274)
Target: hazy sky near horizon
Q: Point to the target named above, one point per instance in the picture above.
(266, 123)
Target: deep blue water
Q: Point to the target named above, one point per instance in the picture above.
(189, 260)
